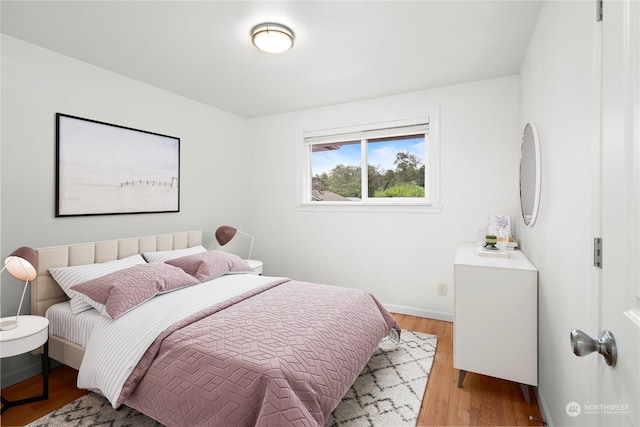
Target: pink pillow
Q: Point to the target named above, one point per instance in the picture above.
(116, 293)
(211, 264)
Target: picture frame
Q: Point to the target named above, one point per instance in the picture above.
(500, 225)
(108, 169)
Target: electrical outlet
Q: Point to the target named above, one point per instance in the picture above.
(442, 289)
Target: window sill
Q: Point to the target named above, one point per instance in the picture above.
(369, 207)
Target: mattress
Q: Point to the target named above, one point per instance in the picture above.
(76, 328)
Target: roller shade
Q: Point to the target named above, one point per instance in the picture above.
(355, 136)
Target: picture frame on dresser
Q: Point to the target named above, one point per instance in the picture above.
(107, 169)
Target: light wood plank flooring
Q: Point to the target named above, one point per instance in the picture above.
(482, 400)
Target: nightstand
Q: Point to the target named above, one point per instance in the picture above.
(31, 333)
(256, 265)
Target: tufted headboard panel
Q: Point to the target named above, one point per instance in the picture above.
(45, 291)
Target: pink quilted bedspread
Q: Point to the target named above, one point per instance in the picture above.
(282, 355)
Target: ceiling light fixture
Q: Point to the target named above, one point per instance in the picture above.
(272, 38)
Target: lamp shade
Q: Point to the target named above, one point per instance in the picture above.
(224, 234)
(22, 263)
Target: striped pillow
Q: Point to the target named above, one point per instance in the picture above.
(74, 275)
(162, 256)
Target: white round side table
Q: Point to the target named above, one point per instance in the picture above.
(31, 333)
(256, 265)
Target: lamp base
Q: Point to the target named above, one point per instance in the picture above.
(8, 324)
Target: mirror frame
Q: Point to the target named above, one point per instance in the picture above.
(529, 220)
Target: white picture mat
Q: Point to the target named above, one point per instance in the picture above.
(109, 169)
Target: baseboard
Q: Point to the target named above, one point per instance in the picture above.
(413, 311)
(22, 373)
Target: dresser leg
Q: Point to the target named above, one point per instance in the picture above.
(526, 392)
(461, 376)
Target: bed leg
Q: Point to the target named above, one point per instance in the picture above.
(394, 336)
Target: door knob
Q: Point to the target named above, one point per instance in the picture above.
(583, 344)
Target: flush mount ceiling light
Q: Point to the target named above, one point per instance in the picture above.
(272, 38)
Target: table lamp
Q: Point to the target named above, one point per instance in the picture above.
(225, 233)
(23, 265)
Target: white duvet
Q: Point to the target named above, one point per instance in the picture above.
(116, 347)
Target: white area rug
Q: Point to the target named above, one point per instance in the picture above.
(388, 392)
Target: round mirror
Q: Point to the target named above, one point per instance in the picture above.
(530, 174)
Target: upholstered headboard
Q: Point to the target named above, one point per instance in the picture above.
(45, 291)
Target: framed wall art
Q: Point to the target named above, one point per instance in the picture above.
(500, 225)
(106, 169)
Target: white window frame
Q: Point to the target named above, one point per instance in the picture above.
(430, 120)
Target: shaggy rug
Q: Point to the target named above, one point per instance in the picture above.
(388, 392)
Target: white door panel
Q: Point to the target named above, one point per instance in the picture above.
(619, 387)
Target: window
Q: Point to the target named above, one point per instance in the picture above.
(391, 163)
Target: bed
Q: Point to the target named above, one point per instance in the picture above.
(190, 346)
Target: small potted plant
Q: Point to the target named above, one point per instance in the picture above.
(490, 241)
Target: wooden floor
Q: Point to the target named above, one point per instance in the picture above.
(482, 400)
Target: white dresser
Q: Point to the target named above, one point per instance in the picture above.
(495, 329)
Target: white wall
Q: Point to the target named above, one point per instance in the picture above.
(400, 257)
(557, 94)
(37, 83)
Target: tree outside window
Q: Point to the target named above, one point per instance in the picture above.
(395, 169)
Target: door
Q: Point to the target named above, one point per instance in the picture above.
(619, 386)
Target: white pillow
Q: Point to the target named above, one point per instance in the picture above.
(71, 276)
(163, 256)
